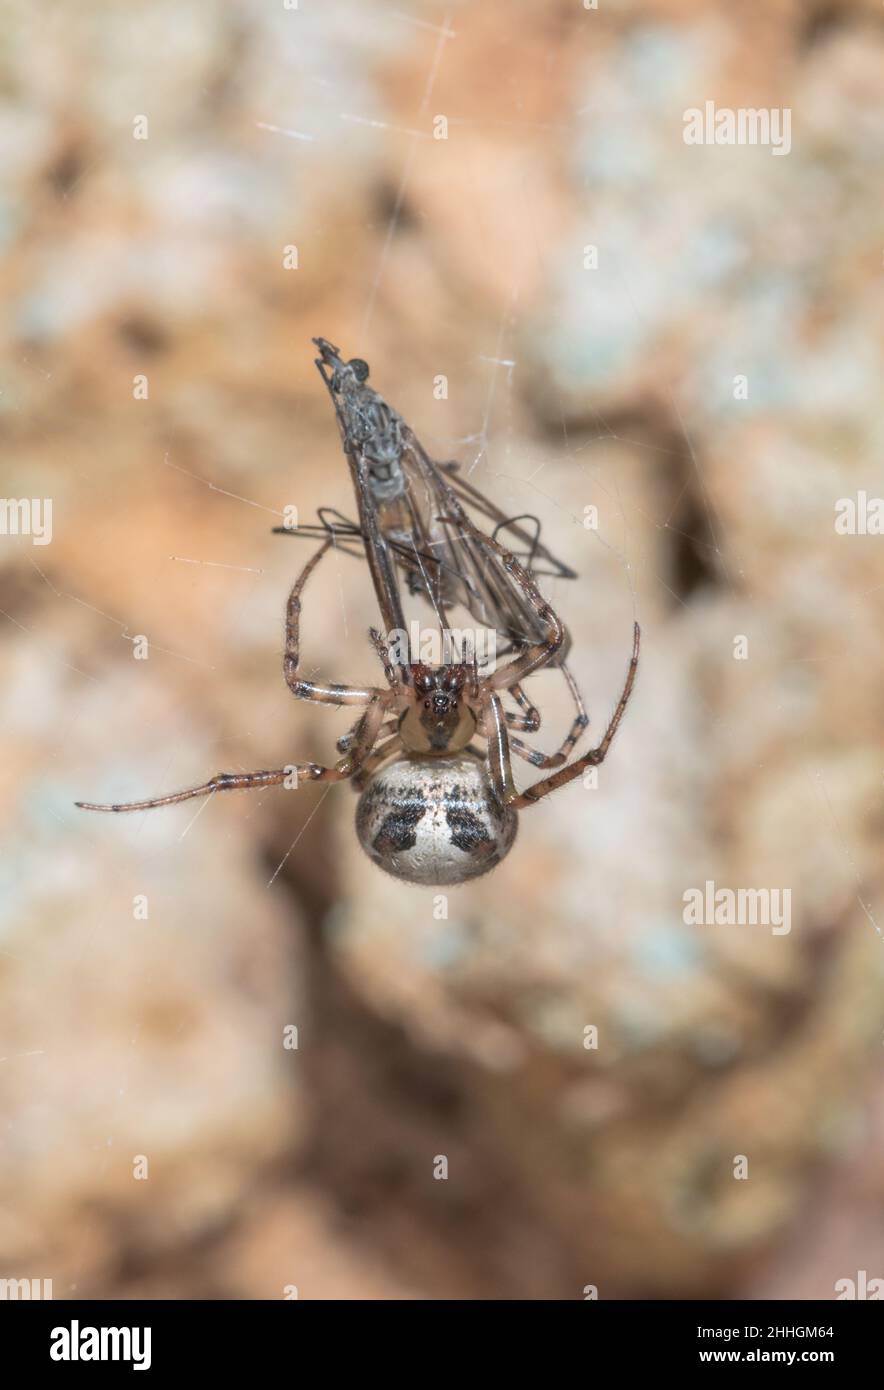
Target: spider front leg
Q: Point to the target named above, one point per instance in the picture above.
(331, 694)
(596, 755)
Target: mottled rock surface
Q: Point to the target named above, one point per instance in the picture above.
(687, 339)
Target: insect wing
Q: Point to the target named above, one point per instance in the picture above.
(465, 570)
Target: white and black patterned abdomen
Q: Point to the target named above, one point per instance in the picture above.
(434, 820)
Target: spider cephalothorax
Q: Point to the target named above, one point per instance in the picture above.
(438, 718)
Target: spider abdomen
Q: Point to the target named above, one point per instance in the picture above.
(434, 820)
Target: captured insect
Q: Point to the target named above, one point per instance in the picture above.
(412, 522)
(434, 807)
(412, 516)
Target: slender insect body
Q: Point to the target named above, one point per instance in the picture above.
(371, 428)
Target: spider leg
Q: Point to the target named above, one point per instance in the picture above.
(388, 727)
(536, 757)
(596, 755)
(359, 742)
(330, 694)
(383, 652)
(529, 721)
(473, 665)
(221, 782)
(537, 654)
(522, 723)
(581, 719)
(498, 754)
(382, 752)
(364, 736)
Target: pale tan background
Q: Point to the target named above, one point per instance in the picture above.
(567, 388)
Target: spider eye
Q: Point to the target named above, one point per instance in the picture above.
(423, 678)
(453, 678)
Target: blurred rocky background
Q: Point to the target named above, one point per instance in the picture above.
(688, 339)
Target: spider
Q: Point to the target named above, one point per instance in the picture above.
(434, 808)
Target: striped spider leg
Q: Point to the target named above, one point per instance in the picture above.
(361, 740)
(493, 723)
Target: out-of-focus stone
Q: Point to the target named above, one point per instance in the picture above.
(569, 388)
